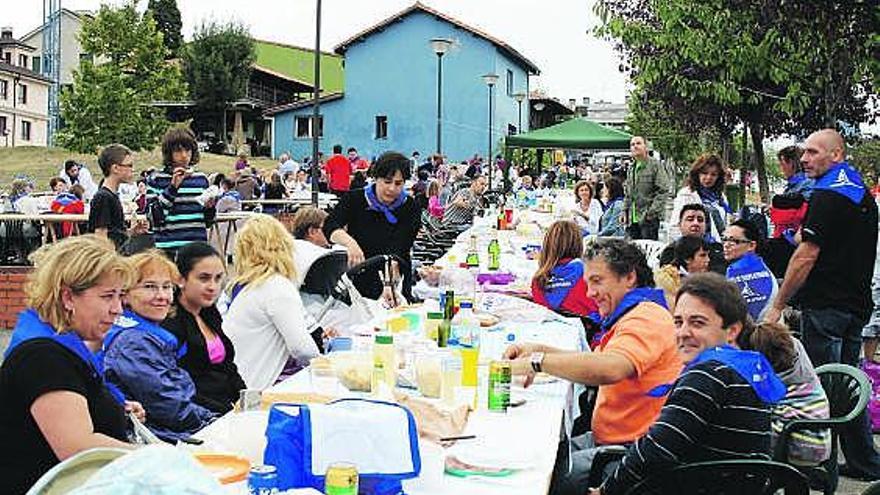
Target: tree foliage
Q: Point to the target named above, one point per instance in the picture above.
(778, 67)
(866, 158)
(167, 17)
(109, 101)
(217, 63)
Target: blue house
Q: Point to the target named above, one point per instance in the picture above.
(390, 96)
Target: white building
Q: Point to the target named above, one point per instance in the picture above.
(71, 49)
(24, 95)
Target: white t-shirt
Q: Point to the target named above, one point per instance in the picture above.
(267, 324)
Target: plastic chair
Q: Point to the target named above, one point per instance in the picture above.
(325, 272)
(873, 489)
(734, 477)
(848, 391)
(652, 250)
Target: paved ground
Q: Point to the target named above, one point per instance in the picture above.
(847, 486)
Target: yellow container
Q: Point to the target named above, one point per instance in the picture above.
(432, 323)
(397, 324)
(470, 357)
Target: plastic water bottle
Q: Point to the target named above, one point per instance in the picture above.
(465, 326)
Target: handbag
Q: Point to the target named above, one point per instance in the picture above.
(379, 438)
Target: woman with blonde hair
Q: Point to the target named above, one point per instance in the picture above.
(54, 402)
(705, 185)
(266, 318)
(141, 357)
(559, 282)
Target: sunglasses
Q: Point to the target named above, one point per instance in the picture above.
(734, 240)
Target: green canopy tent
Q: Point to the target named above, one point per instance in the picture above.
(576, 133)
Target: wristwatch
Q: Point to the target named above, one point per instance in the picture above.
(537, 360)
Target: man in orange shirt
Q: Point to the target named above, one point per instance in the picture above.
(636, 355)
(338, 170)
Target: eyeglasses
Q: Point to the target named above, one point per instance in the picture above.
(156, 289)
(734, 240)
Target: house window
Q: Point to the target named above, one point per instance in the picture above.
(511, 129)
(36, 64)
(22, 94)
(2, 125)
(25, 130)
(22, 60)
(509, 82)
(8, 57)
(4, 89)
(381, 127)
(85, 57)
(304, 130)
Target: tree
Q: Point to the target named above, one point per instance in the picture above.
(167, 17)
(217, 66)
(110, 99)
(719, 63)
(866, 158)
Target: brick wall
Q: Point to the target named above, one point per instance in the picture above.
(12, 300)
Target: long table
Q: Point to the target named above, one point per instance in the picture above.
(529, 435)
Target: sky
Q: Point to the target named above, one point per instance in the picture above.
(556, 35)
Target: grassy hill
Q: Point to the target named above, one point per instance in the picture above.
(41, 164)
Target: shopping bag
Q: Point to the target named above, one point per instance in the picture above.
(872, 369)
(379, 438)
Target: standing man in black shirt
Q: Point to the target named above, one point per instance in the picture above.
(832, 268)
(380, 219)
(106, 217)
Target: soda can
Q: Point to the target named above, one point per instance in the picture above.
(500, 375)
(341, 479)
(262, 480)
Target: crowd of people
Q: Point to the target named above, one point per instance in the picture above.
(691, 355)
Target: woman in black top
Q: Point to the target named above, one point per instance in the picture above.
(195, 320)
(380, 219)
(53, 399)
(274, 190)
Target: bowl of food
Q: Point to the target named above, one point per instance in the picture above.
(353, 369)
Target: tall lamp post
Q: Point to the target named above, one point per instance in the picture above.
(316, 103)
(490, 80)
(440, 47)
(519, 97)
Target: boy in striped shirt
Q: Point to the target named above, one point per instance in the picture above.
(178, 210)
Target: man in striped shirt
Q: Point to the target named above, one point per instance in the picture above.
(719, 408)
(464, 204)
(178, 211)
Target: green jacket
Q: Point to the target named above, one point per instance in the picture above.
(649, 186)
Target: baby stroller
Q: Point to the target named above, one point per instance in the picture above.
(330, 295)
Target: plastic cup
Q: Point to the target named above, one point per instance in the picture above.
(470, 357)
(414, 321)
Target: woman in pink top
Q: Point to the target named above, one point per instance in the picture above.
(435, 208)
(196, 321)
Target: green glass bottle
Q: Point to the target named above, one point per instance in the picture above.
(494, 255)
(473, 257)
(445, 328)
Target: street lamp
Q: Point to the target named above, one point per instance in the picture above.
(490, 80)
(316, 104)
(519, 97)
(440, 46)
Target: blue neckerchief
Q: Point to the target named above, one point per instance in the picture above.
(562, 279)
(236, 290)
(232, 193)
(843, 179)
(66, 198)
(130, 321)
(796, 179)
(30, 327)
(375, 204)
(633, 298)
(752, 366)
(755, 281)
(712, 197)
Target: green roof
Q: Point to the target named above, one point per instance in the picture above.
(298, 63)
(575, 133)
